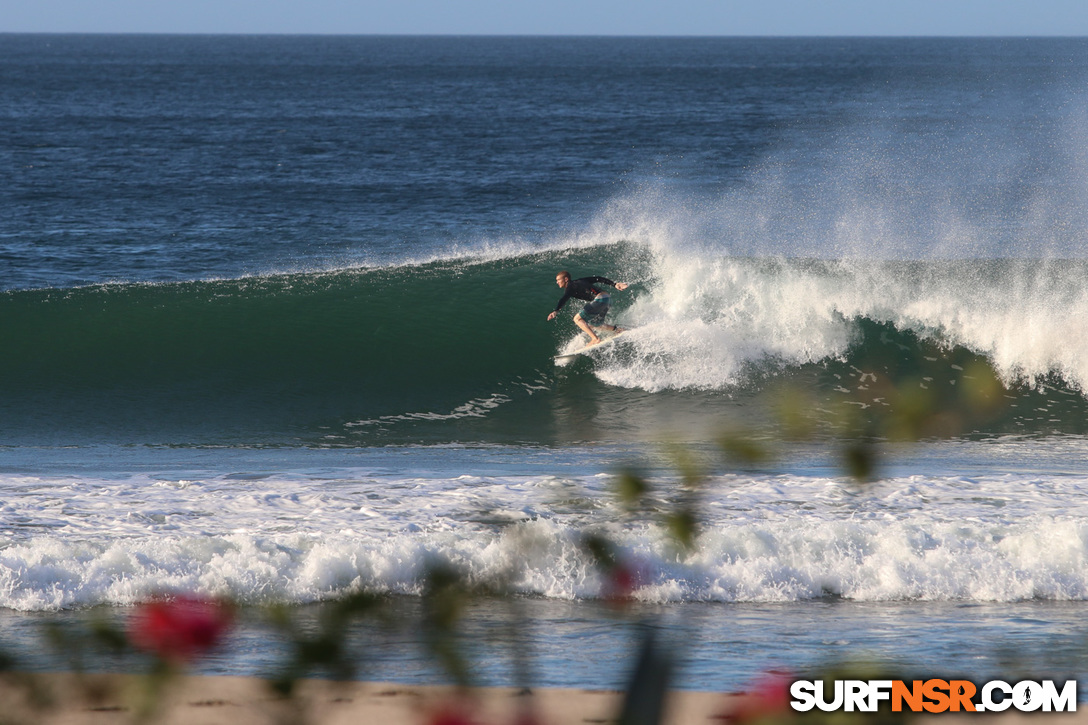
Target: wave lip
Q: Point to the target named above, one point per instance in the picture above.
(706, 319)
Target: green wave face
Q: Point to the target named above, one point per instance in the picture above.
(280, 356)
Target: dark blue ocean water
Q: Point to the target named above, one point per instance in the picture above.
(281, 301)
(135, 158)
(164, 158)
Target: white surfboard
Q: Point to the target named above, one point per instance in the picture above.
(607, 338)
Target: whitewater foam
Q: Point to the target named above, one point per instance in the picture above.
(306, 536)
(704, 321)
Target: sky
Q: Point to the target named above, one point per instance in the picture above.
(553, 17)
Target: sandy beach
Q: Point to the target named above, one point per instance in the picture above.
(114, 699)
(70, 699)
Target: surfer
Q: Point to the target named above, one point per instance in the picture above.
(592, 315)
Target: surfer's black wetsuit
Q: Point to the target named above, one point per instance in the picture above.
(583, 289)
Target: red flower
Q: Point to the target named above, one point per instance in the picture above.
(622, 580)
(620, 583)
(179, 628)
(772, 690)
(451, 715)
(768, 697)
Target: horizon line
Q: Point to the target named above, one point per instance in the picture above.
(647, 36)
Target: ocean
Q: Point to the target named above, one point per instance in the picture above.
(273, 327)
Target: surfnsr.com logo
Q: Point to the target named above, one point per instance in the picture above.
(933, 696)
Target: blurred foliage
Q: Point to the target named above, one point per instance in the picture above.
(323, 650)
